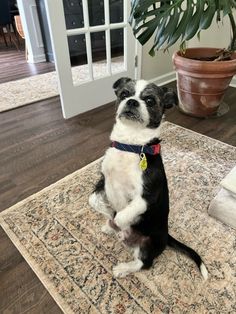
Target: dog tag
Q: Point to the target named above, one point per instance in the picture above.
(143, 162)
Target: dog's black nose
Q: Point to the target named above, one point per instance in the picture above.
(132, 103)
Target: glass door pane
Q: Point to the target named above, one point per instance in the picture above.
(96, 12)
(98, 43)
(116, 11)
(117, 50)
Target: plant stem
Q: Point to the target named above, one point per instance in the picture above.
(232, 46)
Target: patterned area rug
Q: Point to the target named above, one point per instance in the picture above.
(35, 88)
(60, 238)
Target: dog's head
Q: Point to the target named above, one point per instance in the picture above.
(142, 103)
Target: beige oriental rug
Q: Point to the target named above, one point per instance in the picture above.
(59, 236)
(35, 88)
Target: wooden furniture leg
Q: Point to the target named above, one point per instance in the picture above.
(12, 37)
(3, 35)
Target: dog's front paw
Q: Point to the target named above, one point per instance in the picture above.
(121, 220)
(120, 236)
(107, 229)
(93, 200)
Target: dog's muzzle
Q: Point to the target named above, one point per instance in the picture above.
(131, 111)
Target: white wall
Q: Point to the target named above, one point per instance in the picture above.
(158, 66)
(32, 32)
(217, 36)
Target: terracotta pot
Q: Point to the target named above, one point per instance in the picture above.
(202, 84)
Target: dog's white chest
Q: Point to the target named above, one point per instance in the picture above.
(123, 177)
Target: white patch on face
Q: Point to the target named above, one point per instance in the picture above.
(139, 87)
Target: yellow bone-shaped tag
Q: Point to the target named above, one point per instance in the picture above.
(143, 162)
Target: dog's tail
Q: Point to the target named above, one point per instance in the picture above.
(172, 242)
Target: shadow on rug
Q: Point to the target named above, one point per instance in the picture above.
(60, 238)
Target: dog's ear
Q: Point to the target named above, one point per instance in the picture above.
(120, 83)
(170, 98)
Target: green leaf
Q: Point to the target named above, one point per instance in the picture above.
(142, 7)
(193, 26)
(145, 25)
(208, 15)
(159, 13)
(186, 17)
(161, 27)
(226, 8)
(152, 51)
(147, 34)
(183, 47)
(169, 29)
(233, 3)
(199, 35)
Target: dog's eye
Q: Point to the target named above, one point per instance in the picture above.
(124, 94)
(150, 101)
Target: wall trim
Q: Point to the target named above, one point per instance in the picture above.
(164, 79)
(36, 25)
(36, 58)
(171, 76)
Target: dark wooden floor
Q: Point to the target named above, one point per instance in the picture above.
(13, 65)
(37, 148)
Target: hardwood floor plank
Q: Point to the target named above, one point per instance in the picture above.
(14, 66)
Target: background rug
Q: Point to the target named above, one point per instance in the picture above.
(60, 238)
(35, 88)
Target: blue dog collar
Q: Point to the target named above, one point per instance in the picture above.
(138, 149)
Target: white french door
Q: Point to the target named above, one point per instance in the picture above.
(93, 47)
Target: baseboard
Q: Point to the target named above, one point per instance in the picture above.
(171, 76)
(233, 82)
(159, 80)
(164, 79)
(36, 59)
(50, 57)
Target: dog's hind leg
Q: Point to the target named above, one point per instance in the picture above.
(124, 269)
(107, 229)
(98, 200)
(144, 255)
(149, 251)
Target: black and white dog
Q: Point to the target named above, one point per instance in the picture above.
(133, 192)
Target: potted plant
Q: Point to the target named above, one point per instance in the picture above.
(203, 74)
